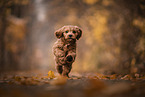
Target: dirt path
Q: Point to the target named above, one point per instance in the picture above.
(76, 86)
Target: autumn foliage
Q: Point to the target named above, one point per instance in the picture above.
(113, 39)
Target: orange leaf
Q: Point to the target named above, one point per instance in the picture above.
(51, 74)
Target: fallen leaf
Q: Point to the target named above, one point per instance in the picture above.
(101, 76)
(112, 77)
(127, 77)
(51, 74)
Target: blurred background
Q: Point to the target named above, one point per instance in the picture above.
(113, 39)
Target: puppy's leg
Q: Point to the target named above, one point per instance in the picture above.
(59, 69)
(66, 70)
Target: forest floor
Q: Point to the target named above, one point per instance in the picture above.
(78, 85)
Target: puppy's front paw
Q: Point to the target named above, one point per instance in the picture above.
(69, 58)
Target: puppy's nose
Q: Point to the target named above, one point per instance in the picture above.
(70, 35)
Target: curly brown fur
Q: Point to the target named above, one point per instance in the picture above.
(64, 48)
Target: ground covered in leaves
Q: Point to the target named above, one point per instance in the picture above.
(30, 84)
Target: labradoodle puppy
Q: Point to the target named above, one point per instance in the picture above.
(64, 48)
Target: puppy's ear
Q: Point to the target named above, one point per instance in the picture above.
(59, 33)
(79, 33)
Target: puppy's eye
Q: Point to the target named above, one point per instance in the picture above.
(74, 31)
(66, 31)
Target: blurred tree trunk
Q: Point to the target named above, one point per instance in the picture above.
(12, 24)
(3, 24)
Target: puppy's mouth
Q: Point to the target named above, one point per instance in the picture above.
(70, 39)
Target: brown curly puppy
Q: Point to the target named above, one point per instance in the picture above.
(64, 48)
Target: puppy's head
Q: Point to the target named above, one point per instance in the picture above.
(69, 33)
